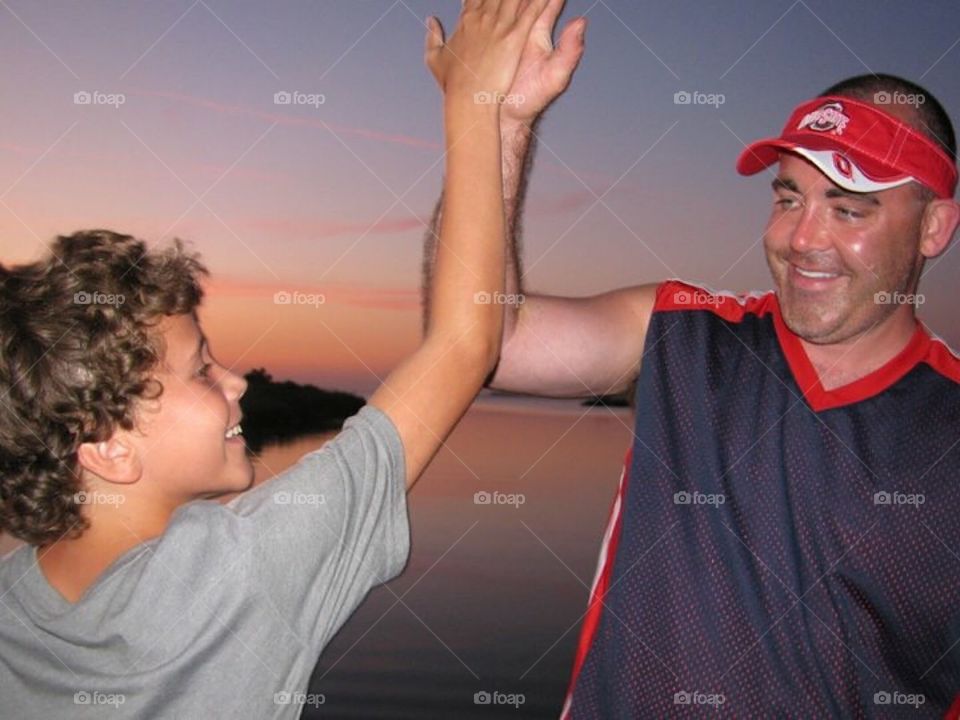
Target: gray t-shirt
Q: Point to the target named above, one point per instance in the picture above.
(226, 613)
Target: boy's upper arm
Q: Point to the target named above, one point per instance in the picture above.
(577, 347)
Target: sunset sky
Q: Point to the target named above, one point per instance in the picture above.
(330, 198)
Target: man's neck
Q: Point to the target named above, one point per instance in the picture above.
(839, 364)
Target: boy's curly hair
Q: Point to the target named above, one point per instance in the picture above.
(76, 354)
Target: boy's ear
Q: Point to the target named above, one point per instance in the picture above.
(115, 460)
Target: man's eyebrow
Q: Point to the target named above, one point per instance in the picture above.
(836, 192)
(784, 184)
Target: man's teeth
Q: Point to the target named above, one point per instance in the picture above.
(234, 431)
(811, 274)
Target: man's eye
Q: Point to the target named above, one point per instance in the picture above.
(784, 202)
(848, 213)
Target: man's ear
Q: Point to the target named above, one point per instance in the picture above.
(115, 460)
(939, 223)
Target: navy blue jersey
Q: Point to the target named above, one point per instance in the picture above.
(777, 549)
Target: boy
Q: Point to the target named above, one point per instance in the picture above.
(116, 421)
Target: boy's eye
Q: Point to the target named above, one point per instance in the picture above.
(204, 370)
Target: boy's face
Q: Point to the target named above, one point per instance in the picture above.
(182, 441)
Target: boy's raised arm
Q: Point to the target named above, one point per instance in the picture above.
(429, 392)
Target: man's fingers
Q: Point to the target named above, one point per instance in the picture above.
(570, 47)
(531, 11)
(435, 39)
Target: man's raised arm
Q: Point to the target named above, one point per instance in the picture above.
(552, 346)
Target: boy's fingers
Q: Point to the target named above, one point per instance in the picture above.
(531, 11)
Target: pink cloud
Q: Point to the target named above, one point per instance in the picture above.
(362, 297)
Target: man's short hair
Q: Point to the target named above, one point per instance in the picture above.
(77, 347)
(928, 116)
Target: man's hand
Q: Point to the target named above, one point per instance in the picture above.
(544, 71)
(482, 54)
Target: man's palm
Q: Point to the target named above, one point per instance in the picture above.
(544, 71)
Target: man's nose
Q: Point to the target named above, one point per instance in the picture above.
(810, 233)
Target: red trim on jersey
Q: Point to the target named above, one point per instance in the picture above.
(601, 582)
(954, 712)
(680, 295)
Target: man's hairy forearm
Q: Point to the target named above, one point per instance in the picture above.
(518, 149)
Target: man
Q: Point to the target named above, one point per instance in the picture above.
(785, 540)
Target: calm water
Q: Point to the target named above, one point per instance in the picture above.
(493, 595)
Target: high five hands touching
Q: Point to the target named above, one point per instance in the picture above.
(482, 55)
(543, 72)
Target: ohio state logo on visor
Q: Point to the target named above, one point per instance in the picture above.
(826, 118)
(842, 164)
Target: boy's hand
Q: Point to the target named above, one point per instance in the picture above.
(480, 60)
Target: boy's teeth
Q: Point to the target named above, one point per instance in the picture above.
(234, 431)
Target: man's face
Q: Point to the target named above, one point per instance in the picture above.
(182, 443)
(864, 243)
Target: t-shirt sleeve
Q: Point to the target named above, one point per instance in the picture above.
(331, 527)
